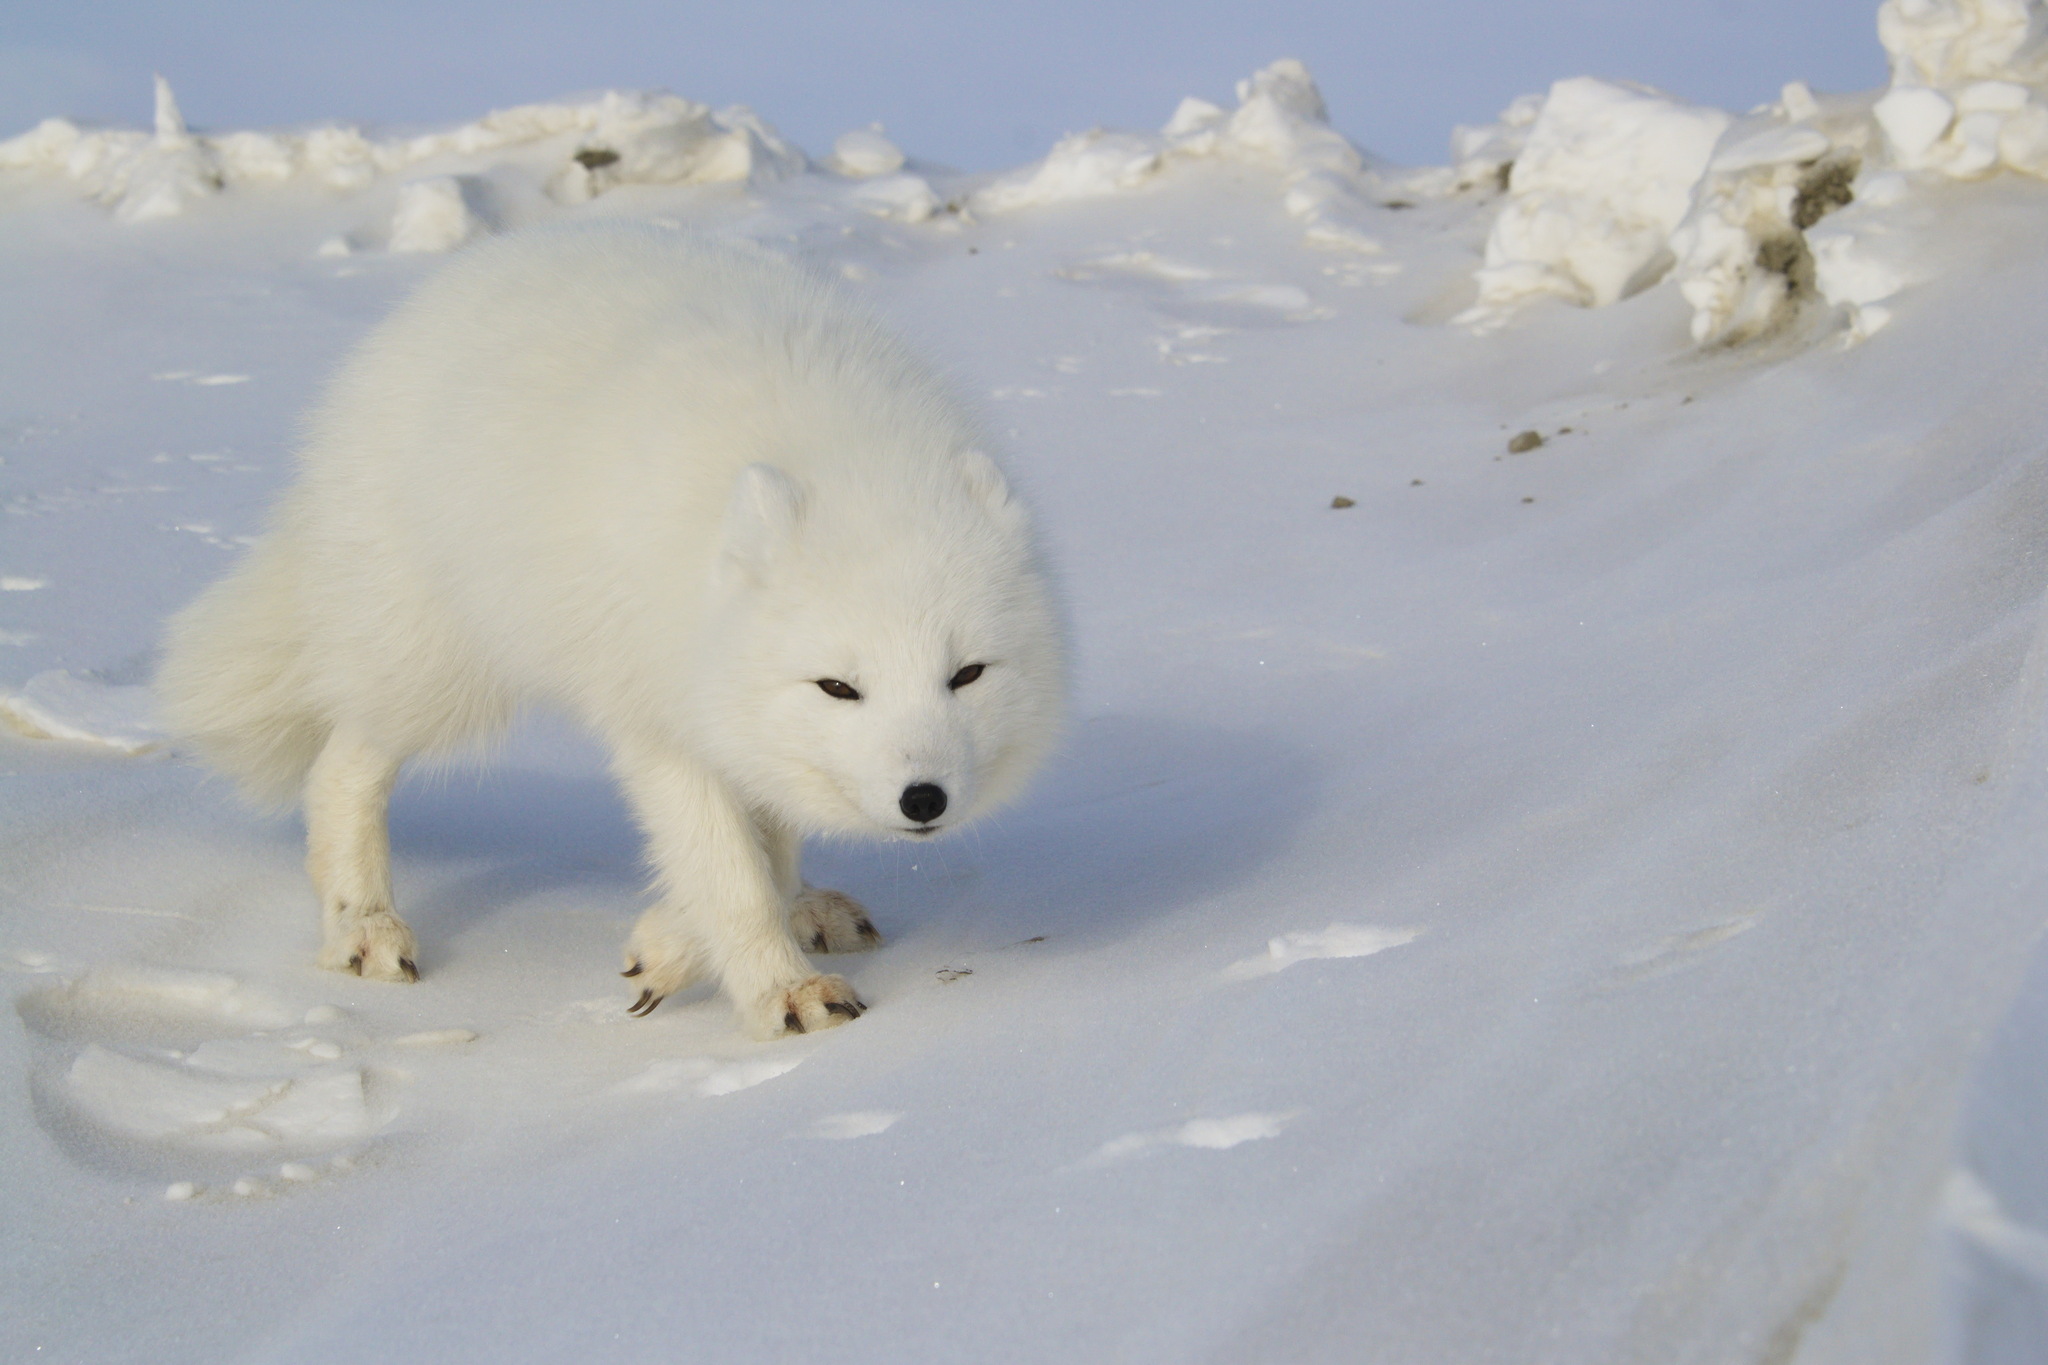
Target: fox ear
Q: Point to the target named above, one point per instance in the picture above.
(987, 484)
(761, 518)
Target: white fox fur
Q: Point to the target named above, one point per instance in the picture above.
(669, 485)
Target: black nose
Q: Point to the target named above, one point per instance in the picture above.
(923, 802)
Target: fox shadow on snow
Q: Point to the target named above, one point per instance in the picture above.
(1132, 817)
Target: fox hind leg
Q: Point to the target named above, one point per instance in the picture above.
(348, 855)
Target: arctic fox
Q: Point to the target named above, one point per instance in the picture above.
(694, 496)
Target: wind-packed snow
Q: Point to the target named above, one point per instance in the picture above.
(1547, 865)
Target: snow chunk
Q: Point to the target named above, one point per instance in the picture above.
(842, 1127)
(1949, 42)
(1339, 940)
(865, 152)
(1915, 119)
(1744, 263)
(1210, 1134)
(1485, 154)
(432, 215)
(1961, 103)
(61, 705)
(907, 198)
(1606, 175)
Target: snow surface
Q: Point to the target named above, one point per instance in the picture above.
(1571, 905)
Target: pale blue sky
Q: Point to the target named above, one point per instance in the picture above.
(979, 86)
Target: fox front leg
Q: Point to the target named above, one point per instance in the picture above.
(723, 909)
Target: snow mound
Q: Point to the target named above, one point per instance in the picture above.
(1280, 122)
(906, 198)
(432, 215)
(619, 137)
(863, 153)
(61, 705)
(1605, 177)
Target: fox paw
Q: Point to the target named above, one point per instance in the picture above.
(819, 1003)
(373, 944)
(831, 922)
(659, 965)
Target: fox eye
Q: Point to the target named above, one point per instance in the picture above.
(966, 676)
(832, 687)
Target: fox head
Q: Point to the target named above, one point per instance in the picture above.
(880, 662)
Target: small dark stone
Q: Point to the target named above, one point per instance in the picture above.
(1528, 499)
(1524, 441)
(1397, 204)
(591, 158)
(1415, 483)
(1340, 501)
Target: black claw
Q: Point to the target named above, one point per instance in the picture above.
(818, 941)
(644, 1006)
(355, 964)
(412, 973)
(792, 1023)
(633, 970)
(836, 1007)
(866, 930)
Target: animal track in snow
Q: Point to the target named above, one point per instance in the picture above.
(842, 1127)
(60, 705)
(1211, 1134)
(1680, 950)
(203, 380)
(705, 1076)
(1196, 292)
(179, 1072)
(1339, 940)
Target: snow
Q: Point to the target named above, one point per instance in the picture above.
(1605, 176)
(432, 215)
(865, 152)
(1573, 904)
(58, 705)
